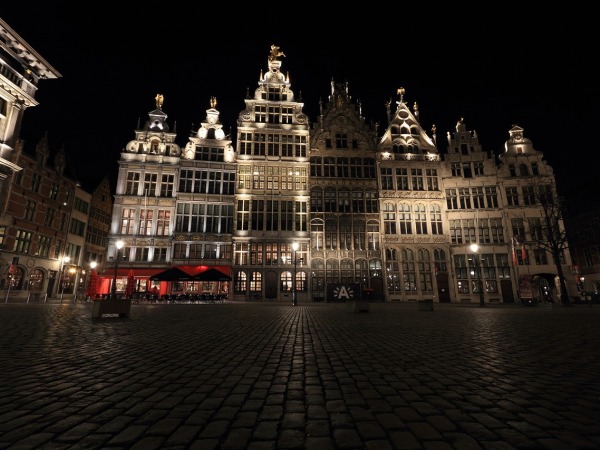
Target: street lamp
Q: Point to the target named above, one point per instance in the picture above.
(295, 247)
(88, 279)
(113, 291)
(477, 260)
(65, 260)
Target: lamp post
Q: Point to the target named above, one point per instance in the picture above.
(113, 291)
(65, 260)
(477, 260)
(93, 265)
(295, 247)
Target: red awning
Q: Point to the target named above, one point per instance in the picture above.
(145, 272)
(137, 272)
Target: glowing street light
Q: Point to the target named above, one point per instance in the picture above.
(477, 260)
(113, 293)
(295, 247)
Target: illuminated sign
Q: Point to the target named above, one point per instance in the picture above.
(341, 292)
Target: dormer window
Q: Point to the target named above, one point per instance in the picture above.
(154, 147)
(523, 171)
(535, 169)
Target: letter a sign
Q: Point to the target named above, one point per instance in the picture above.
(339, 292)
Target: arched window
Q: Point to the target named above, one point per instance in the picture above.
(332, 271)
(523, 170)
(392, 265)
(241, 282)
(13, 278)
(256, 282)
(286, 281)
(36, 280)
(318, 275)
(317, 234)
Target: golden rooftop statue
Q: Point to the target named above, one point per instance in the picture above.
(213, 102)
(159, 100)
(275, 53)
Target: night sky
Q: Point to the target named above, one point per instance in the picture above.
(500, 69)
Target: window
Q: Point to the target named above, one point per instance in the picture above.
(341, 140)
(478, 197)
(393, 270)
(372, 202)
(387, 181)
(30, 211)
(432, 180)
(331, 240)
(133, 183)
(389, 218)
(145, 222)
(373, 235)
(451, 199)
(36, 280)
(464, 196)
(22, 241)
(81, 205)
(359, 235)
(240, 282)
(257, 255)
(529, 197)
(77, 227)
(36, 181)
(420, 219)
(150, 184)
(358, 201)
(317, 234)
(456, 236)
(54, 191)
(166, 185)
(456, 169)
(409, 274)
(435, 212)
(243, 215)
(417, 181)
(141, 254)
(43, 248)
(345, 236)
(404, 219)
(260, 113)
(523, 170)
(491, 196)
(512, 196)
(256, 282)
(160, 254)
(127, 220)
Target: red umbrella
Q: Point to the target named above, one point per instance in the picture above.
(130, 284)
(92, 288)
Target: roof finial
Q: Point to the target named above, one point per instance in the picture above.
(275, 53)
(213, 102)
(401, 92)
(159, 100)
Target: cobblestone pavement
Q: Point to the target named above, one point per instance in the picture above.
(312, 376)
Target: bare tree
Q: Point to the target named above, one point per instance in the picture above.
(547, 231)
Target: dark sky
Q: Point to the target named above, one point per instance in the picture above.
(496, 70)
